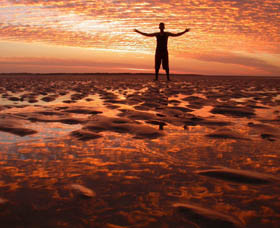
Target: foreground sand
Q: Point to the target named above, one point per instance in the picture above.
(124, 151)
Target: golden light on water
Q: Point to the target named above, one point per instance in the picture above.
(118, 151)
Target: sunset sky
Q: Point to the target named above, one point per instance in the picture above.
(227, 37)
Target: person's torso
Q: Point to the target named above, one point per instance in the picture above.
(162, 39)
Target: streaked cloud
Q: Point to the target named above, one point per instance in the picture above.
(217, 26)
(63, 62)
(239, 59)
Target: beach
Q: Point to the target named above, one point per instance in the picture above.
(122, 150)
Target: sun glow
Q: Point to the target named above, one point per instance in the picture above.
(244, 34)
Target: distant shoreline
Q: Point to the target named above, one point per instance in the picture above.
(96, 73)
(129, 74)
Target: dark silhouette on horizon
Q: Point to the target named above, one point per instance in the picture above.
(161, 55)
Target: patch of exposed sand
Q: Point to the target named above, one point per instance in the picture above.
(119, 151)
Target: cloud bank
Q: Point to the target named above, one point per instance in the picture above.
(218, 26)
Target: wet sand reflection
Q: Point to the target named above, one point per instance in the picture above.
(202, 168)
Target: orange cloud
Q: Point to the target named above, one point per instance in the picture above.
(239, 59)
(220, 25)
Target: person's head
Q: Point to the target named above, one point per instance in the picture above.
(161, 26)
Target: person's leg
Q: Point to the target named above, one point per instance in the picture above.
(167, 74)
(156, 73)
(165, 64)
(157, 64)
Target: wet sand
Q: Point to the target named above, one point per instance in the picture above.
(124, 151)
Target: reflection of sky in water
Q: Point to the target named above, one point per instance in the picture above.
(136, 181)
(45, 130)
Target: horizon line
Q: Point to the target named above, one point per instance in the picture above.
(130, 73)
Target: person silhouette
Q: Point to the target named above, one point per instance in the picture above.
(161, 55)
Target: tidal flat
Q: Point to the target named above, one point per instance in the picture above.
(124, 151)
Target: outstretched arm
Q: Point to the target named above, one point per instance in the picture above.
(180, 33)
(145, 34)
